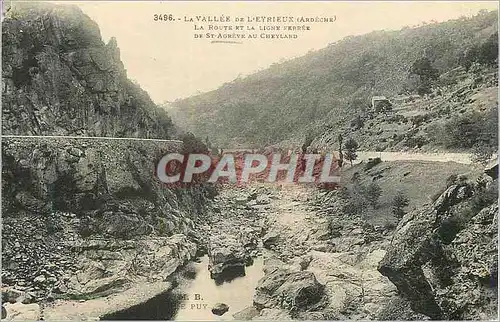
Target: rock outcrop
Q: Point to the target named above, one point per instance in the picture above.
(84, 216)
(60, 78)
(443, 258)
(227, 256)
(287, 289)
(220, 309)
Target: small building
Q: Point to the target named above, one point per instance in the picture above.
(376, 100)
(381, 104)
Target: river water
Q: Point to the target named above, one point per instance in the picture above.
(193, 298)
(203, 293)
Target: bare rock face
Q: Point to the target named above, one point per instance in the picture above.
(443, 257)
(60, 78)
(84, 217)
(80, 216)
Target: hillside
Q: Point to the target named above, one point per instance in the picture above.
(60, 78)
(321, 92)
(90, 233)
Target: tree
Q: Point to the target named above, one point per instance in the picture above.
(469, 57)
(341, 155)
(488, 53)
(191, 144)
(307, 142)
(351, 146)
(423, 68)
(399, 202)
(373, 193)
(427, 74)
(208, 144)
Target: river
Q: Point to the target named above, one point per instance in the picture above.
(193, 298)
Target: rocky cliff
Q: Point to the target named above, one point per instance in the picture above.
(83, 218)
(60, 78)
(443, 257)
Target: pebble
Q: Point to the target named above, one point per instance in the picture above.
(39, 279)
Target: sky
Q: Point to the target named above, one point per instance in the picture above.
(168, 62)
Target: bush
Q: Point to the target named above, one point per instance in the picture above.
(486, 53)
(451, 180)
(53, 224)
(357, 122)
(355, 205)
(482, 153)
(399, 202)
(162, 226)
(415, 141)
(344, 193)
(485, 197)
(191, 144)
(417, 120)
(351, 146)
(354, 202)
(468, 130)
(371, 163)
(372, 193)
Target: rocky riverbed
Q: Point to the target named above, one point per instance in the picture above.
(86, 227)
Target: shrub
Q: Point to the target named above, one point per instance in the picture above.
(467, 130)
(482, 153)
(417, 120)
(357, 122)
(354, 204)
(343, 193)
(372, 162)
(399, 202)
(191, 144)
(372, 193)
(162, 226)
(485, 197)
(415, 141)
(351, 146)
(452, 178)
(53, 224)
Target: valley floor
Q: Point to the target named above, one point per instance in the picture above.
(305, 243)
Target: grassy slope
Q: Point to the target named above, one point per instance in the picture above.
(324, 89)
(423, 180)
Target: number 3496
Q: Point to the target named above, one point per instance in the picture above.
(163, 17)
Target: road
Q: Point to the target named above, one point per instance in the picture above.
(464, 158)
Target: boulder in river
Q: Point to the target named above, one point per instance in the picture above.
(286, 289)
(220, 308)
(227, 256)
(270, 239)
(246, 314)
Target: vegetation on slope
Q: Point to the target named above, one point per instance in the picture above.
(321, 92)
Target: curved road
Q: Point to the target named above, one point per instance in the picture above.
(465, 158)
